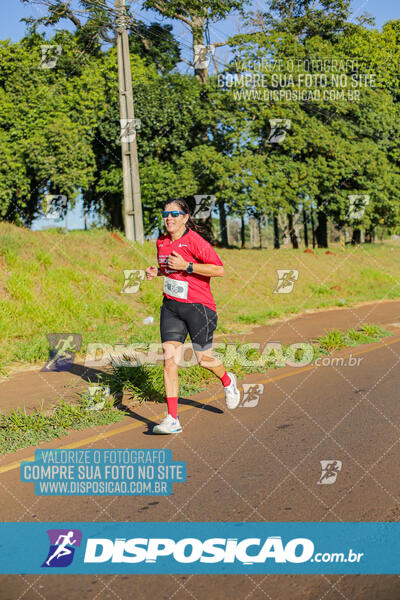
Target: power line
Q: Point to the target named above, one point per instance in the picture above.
(133, 28)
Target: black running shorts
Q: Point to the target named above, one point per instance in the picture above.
(180, 318)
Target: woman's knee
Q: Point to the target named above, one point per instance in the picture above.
(207, 362)
(170, 364)
(172, 352)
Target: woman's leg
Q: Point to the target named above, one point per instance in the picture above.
(212, 363)
(172, 357)
(201, 322)
(172, 354)
(228, 380)
(173, 333)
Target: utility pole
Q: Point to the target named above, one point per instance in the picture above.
(133, 218)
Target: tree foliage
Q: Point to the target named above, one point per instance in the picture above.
(60, 127)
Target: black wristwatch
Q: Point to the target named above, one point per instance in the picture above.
(189, 269)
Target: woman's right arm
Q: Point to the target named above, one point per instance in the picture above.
(152, 272)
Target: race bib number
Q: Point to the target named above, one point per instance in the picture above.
(175, 288)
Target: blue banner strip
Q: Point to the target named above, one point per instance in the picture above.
(204, 548)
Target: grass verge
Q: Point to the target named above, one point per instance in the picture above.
(20, 429)
(145, 382)
(57, 282)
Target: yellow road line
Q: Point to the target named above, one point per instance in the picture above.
(125, 428)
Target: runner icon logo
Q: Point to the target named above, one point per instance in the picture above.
(62, 351)
(204, 205)
(133, 277)
(63, 543)
(279, 129)
(50, 54)
(286, 280)
(330, 470)
(358, 203)
(251, 394)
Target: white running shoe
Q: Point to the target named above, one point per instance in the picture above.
(232, 394)
(168, 425)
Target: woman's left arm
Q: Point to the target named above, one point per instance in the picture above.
(207, 270)
(175, 261)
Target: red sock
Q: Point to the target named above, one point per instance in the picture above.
(226, 380)
(173, 406)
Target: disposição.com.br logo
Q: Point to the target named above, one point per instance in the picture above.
(188, 550)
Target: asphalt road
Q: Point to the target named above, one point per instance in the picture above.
(259, 463)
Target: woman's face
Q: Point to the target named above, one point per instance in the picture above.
(174, 224)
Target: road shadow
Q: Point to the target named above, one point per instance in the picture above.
(88, 374)
(182, 401)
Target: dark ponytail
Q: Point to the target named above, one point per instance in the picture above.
(183, 205)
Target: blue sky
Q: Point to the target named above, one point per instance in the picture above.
(12, 11)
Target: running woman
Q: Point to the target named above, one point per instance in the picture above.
(187, 261)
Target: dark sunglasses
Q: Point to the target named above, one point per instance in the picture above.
(173, 213)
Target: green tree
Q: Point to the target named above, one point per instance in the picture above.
(47, 121)
(334, 148)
